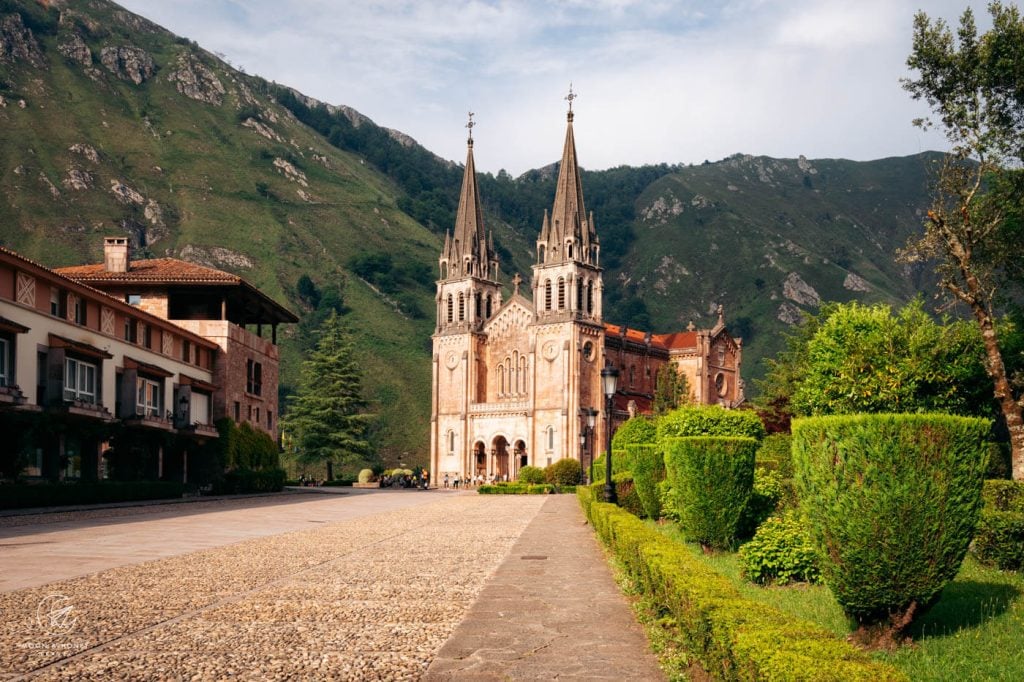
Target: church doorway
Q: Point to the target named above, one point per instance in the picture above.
(520, 455)
(501, 459)
(479, 459)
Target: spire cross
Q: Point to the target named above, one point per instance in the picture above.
(570, 97)
(516, 281)
(470, 125)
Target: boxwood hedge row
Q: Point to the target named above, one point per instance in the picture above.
(733, 638)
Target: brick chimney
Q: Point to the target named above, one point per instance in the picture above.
(115, 254)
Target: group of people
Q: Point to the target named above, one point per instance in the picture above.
(452, 481)
(418, 479)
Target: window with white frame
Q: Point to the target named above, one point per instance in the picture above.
(149, 397)
(451, 442)
(551, 438)
(6, 376)
(79, 380)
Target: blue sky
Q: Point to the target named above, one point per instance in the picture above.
(658, 80)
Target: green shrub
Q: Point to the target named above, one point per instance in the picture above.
(625, 493)
(774, 454)
(781, 552)
(999, 540)
(712, 478)
(639, 429)
(764, 500)
(1007, 496)
(620, 463)
(708, 420)
(517, 489)
(242, 481)
(731, 637)
(564, 472)
(892, 501)
(648, 470)
(531, 474)
(667, 501)
(365, 475)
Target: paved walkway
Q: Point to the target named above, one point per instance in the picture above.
(59, 545)
(373, 586)
(551, 611)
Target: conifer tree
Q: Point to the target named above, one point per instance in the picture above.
(671, 390)
(325, 422)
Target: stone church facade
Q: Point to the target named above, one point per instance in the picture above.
(513, 377)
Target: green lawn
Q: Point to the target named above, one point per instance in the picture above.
(974, 632)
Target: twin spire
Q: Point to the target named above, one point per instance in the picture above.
(568, 234)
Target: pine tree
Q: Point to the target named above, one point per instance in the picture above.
(325, 422)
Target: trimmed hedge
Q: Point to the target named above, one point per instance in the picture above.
(999, 540)
(365, 475)
(1007, 496)
(708, 420)
(517, 489)
(531, 474)
(712, 478)
(625, 491)
(638, 430)
(620, 463)
(892, 501)
(648, 471)
(765, 499)
(733, 638)
(242, 481)
(775, 454)
(20, 496)
(566, 471)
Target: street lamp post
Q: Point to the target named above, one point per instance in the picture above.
(609, 379)
(591, 414)
(583, 449)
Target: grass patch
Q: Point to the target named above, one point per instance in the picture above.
(973, 632)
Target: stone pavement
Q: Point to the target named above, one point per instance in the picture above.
(551, 611)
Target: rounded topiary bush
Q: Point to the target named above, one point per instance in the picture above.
(709, 420)
(531, 474)
(365, 475)
(648, 471)
(781, 552)
(639, 429)
(892, 501)
(711, 478)
(564, 472)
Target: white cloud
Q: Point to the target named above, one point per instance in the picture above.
(665, 80)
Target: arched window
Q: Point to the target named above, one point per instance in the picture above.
(501, 380)
(579, 295)
(479, 304)
(590, 298)
(522, 375)
(462, 307)
(450, 308)
(451, 442)
(568, 249)
(561, 293)
(488, 306)
(547, 294)
(444, 269)
(515, 372)
(551, 438)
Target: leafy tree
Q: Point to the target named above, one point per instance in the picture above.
(785, 372)
(973, 84)
(325, 422)
(865, 359)
(671, 390)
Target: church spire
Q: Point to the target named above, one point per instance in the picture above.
(469, 252)
(569, 233)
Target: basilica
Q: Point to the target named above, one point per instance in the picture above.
(514, 378)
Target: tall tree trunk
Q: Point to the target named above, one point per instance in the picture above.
(997, 371)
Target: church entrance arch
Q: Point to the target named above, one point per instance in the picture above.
(521, 457)
(479, 459)
(499, 450)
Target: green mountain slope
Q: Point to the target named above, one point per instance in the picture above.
(196, 160)
(110, 124)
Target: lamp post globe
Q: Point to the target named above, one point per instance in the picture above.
(609, 380)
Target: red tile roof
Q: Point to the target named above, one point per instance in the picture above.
(674, 340)
(152, 270)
